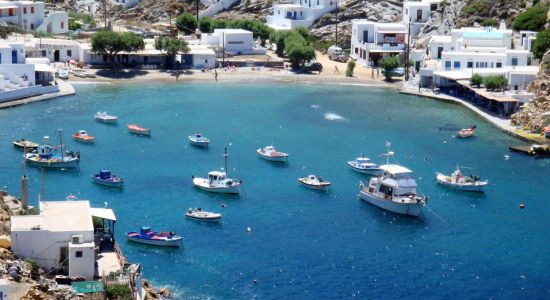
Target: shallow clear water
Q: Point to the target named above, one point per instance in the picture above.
(303, 244)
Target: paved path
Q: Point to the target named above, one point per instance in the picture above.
(65, 89)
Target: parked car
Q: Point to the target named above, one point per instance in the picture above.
(334, 51)
(397, 72)
(314, 66)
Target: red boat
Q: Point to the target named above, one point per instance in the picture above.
(133, 128)
(466, 132)
(82, 136)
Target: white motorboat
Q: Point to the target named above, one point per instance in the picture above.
(394, 190)
(218, 182)
(460, 182)
(314, 182)
(105, 118)
(201, 215)
(269, 153)
(45, 157)
(198, 139)
(364, 165)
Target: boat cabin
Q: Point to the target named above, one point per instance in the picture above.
(395, 183)
(216, 176)
(82, 132)
(105, 174)
(45, 151)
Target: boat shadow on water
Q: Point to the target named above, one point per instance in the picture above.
(145, 248)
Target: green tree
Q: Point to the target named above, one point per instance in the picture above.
(132, 42)
(476, 80)
(495, 82)
(186, 23)
(218, 23)
(349, 69)
(118, 291)
(541, 44)
(205, 25)
(534, 18)
(389, 64)
(111, 43)
(172, 46)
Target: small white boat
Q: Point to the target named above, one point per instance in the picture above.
(269, 153)
(364, 165)
(198, 139)
(105, 118)
(218, 182)
(460, 182)
(314, 182)
(466, 132)
(150, 237)
(201, 215)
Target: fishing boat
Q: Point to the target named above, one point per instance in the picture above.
(314, 182)
(105, 118)
(106, 178)
(460, 182)
(201, 215)
(25, 144)
(269, 153)
(45, 156)
(198, 139)
(218, 182)
(364, 165)
(150, 237)
(394, 190)
(83, 136)
(466, 132)
(135, 129)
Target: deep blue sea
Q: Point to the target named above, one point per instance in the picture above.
(303, 244)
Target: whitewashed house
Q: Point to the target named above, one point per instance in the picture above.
(299, 13)
(417, 13)
(30, 15)
(126, 3)
(478, 50)
(234, 41)
(199, 57)
(56, 50)
(372, 41)
(61, 237)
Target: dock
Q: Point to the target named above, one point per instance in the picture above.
(532, 150)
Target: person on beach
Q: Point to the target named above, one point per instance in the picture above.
(177, 75)
(216, 75)
(336, 71)
(372, 72)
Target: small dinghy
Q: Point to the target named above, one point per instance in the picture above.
(106, 178)
(458, 181)
(201, 215)
(269, 153)
(364, 165)
(314, 182)
(466, 132)
(83, 136)
(25, 144)
(105, 118)
(199, 140)
(135, 129)
(150, 237)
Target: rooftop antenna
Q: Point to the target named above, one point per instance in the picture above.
(389, 153)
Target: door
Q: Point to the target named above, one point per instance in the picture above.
(419, 15)
(439, 51)
(365, 36)
(56, 56)
(63, 256)
(13, 56)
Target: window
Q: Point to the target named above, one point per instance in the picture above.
(32, 26)
(145, 58)
(44, 53)
(206, 61)
(529, 61)
(356, 50)
(365, 36)
(24, 10)
(78, 254)
(278, 12)
(499, 64)
(69, 53)
(62, 25)
(447, 65)
(32, 9)
(514, 61)
(10, 12)
(433, 6)
(477, 64)
(456, 64)
(317, 2)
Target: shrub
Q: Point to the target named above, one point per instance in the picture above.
(118, 291)
(541, 44)
(349, 70)
(495, 82)
(476, 80)
(205, 25)
(489, 23)
(532, 19)
(389, 64)
(186, 23)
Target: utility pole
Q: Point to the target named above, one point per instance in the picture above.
(105, 13)
(336, 33)
(408, 51)
(197, 10)
(223, 49)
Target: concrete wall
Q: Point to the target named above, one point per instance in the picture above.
(204, 61)
(82, 260)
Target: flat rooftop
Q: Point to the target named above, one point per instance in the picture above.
(59, 216)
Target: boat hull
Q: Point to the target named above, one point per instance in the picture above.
(73, 163)
(323, 188)
(199, 143)
(370, 171)
(85, 141)
(22, 147)
(213, 218)
(479, 188)
(117, 184)
(107, 120)
(202, 183)
(140, 132)
(280, 158)
(409, 209)
(163, 243)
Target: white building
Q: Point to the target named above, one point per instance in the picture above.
(417, 13)
(199, 57)
(478, 50)
(299, 13)
(61, 237)
(371, 41)
(30, 15)
(56, 50)
(126, 3)
(234, 41)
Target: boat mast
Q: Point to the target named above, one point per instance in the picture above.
(225, 156)
(61, 144)
(41, 197)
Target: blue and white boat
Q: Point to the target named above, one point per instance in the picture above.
(199, 140)
(147, 236)
(106, 178)
(45, 157)
(364, 165)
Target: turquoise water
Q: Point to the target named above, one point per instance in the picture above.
(303, 244)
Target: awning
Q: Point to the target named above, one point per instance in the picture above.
(9, 6)
(43, 68)
(103, 213)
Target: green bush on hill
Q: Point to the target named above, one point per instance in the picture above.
(541, 44)
(534, 18)
(186, 23)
